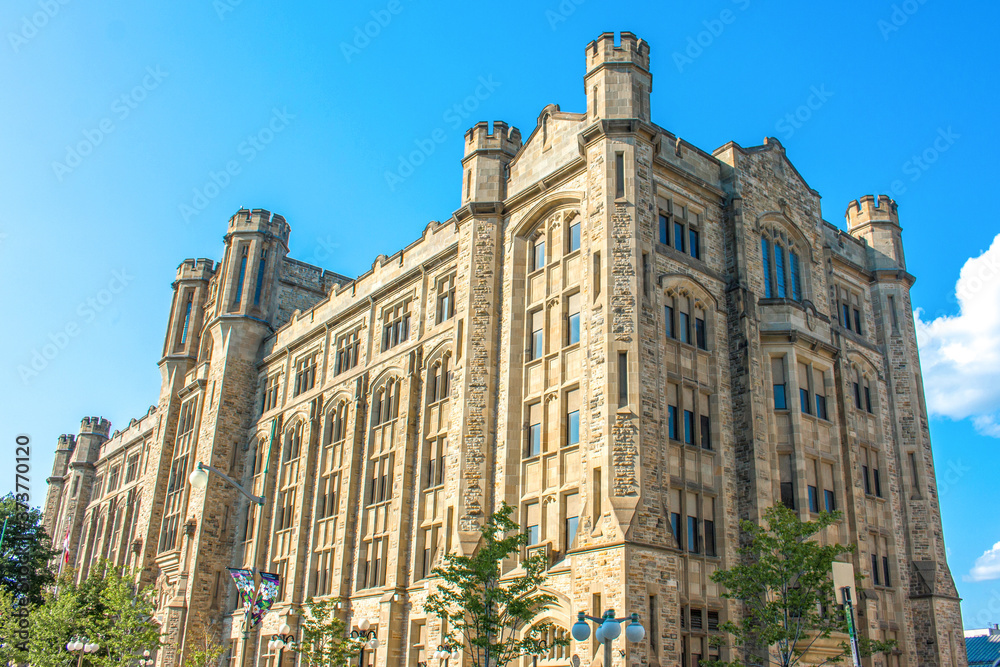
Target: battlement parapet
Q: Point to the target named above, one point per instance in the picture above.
(502, 138)
(95, 425)
(66, 441)
(259, 220)
(871, 208)
(603, 50)
(196, 269)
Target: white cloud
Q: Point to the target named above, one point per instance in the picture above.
(960, 354)
(987, 566)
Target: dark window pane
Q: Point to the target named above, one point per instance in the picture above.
(885, 571)
(804, 401)
(878, 483)
(867, 480)
(766, 259)
(829, 500)
(779, 397)
(692, 536)
(709, 538)
(857, 395)
(688, 427)
(813, 499)
(793, 264)
(788, 495)
(706, 436)
(699, 333)
(682, 325)
(668, 320)
(779, 270)
(821, 407)
(675, 525)
(664, 230)
(857, 321)
(875, 572)
(679, 236)
(868, 399)
(695, 245)
(845, 316)
(672, 421)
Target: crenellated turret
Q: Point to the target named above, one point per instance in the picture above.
(875, 221)
(618, 82)
(191, 292)
(256, 244)
(487, 155)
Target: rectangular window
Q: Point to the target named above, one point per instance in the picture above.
(239, 280)
(664, 229)
(821, 407)
(572, 504)
(845, 316)
(766, 260)
(683, 326)
(829, 500)
(679, 236)
(779, 270)
(778, 380)
(187, 321)
(688, 427)
(793, 264)
(619, 175)
(857, 321)
(787, 486)
(537, 348)
(132, 468)
(692, 535)
(866, 478)
(574, 319)
(804, 401)
(857, 395)
(538, 254)
(878, 482)
(574, 236)
(710, 538)
(596, 493)
(913, 473)
(260, 277)
(868, 398)
(885, 571)
(534, 447)
(813, 499)
(675, 525)
(699, 333)
(819, 389)
(534, 521)
(622, 379)
(446, 299)
(876, 575)
(892, 312)
(694, 243)
(347, 352)
(672, 421)
(573, 417)
(706, 434)
(305, 374)
(668, 321)
(396, 325)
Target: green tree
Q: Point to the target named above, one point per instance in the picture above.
(324, 638)
(14, 635)
(108, 608)
(485, 611)
(206, 649)
(26, 552)
(785, 583)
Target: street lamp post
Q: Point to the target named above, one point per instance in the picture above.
(284, 639)
(82, 647)
(608, 629)
(443, 652)
(367, 638)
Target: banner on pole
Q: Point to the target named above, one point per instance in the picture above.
(266, 595)
(244, 584)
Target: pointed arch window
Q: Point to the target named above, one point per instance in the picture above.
(782, 267)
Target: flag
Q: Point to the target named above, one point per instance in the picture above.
(265, 596)
(244, 584)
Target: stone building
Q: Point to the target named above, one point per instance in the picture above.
(633, 341)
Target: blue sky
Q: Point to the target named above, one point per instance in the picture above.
(131, 132)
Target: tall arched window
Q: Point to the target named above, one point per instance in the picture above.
(328, 497)
(283, 543)
(782, 266)
(378, 494)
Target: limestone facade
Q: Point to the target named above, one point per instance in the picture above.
(634, 342)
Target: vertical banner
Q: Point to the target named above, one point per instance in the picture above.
(244, 584)
(849, 613)
(265, 596)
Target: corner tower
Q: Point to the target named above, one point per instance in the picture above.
(256, 243)
(875, 221)
(487, 156)
(618, 81)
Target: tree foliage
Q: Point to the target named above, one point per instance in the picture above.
(324, 638)
(14, 629)
(786, 586)
(205, 649)
(107, 608)
(26, 552)
(484, 611)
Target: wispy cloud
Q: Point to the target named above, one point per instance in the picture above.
(987, 566)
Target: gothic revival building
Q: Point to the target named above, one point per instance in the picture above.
(634, 342)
